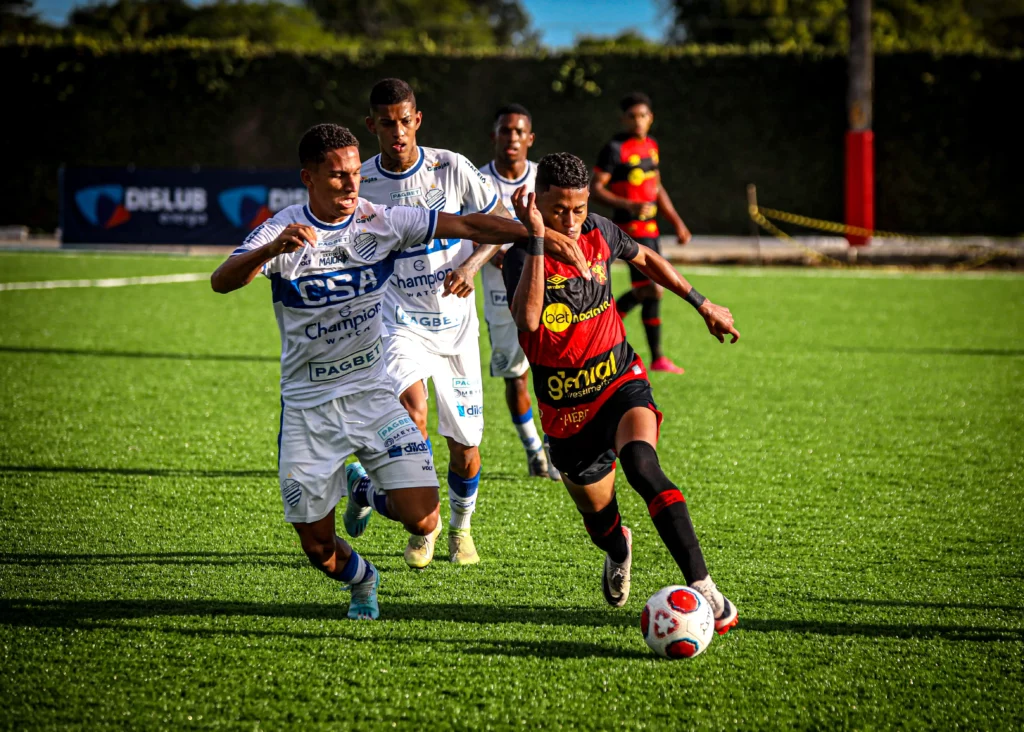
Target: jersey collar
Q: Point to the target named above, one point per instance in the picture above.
(321, 225)
(399, 176)
(494, 172)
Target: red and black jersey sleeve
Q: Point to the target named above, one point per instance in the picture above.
(579, 355)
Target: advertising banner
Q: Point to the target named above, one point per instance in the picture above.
(171, 206)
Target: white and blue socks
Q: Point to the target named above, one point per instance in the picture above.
(365, 493)
(527, 431)
(461, 498)
(356, 570)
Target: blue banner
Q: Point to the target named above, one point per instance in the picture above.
(171, 206)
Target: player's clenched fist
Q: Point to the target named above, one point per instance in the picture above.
(294, 236)
(459, 282)
(525, 205)
(719, 321)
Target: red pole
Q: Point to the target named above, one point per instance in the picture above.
(860, 140)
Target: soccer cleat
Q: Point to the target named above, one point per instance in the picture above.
(537, 464)
(420, 549)
(461, 548)
(553, 472)
(615, 577)
(663, 363)
(726, 615)
(364, 599)
(355, 517)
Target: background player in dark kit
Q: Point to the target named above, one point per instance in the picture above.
(627, 178)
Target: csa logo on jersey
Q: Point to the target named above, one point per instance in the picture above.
(366, 245)
(436, 199)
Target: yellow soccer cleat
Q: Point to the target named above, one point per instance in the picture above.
(420, 550)
(461, 548)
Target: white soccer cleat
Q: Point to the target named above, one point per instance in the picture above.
(615, 577)
(553, 472)
(461, 548)
(537, 464)
(420, 550)
(726, 614)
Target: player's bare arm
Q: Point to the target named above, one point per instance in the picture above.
(239, 270)
(599, 189)
(668, 210)
(462, 277)
(528, 300)
(490, 229)
(718, 317)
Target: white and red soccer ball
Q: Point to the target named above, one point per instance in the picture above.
(677, 622)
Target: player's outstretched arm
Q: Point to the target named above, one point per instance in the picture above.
(718, 318)
(488, 229)
(460, 282)
(528, 300)
(241, 269)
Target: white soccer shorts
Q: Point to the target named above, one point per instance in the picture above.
(507, 358)
(458, 387)
(315, 442)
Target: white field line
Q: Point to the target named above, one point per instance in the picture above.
(111, 282)
(859, 274)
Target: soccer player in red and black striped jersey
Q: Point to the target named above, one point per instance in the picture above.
(595, 400)
(627, 178)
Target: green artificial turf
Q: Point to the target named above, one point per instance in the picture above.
(853, 467)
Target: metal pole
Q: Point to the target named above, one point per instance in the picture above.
(755, 230)
(860, 141)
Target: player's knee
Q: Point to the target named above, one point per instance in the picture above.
(418, 414)
(643, 469)
(465, 463)
(421, 522)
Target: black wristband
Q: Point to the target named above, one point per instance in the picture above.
(694, 298)
(535, 245)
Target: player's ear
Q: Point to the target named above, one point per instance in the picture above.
(419, 118)
(530, 138)
(371, 125)
(306, 176)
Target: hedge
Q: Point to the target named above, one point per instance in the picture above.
(947, 140)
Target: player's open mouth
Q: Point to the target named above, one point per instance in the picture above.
(398, 146)
(347, 202)
(512, 149)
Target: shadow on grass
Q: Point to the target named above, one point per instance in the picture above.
(914, 603)
(282, 559)
(1007, 352)
(85, 614)
(154, 472)
(103, 353)
(108, 614)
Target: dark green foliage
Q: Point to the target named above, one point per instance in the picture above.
(852, 465)
(948, 143)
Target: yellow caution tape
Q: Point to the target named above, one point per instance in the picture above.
(761, 217)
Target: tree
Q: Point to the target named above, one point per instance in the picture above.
(19, 16)
(263, 22)
(951, 23)
(629, 40)
(133, 18)
(454, 23)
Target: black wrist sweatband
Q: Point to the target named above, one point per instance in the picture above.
(694, 298)
(535, 245)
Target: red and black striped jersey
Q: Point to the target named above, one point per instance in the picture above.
(632, 164)
(579, 355)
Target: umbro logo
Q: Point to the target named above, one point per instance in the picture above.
(557, 282)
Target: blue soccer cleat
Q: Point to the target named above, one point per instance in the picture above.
(355, 517)
(364, 599)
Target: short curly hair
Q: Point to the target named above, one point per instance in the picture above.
(391, 91)
(562, 170)
(321, 139)
(633, 99)
(513, 109)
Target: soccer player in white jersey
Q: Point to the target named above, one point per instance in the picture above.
(329, 263)
(512, 137)
(432, 337)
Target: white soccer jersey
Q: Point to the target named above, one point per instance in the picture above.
(328, 298)
(439, 181)
(495, 298)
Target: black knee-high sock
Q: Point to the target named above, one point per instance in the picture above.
(605, 529)
(650, 311)
(667, 508)
(627, 302)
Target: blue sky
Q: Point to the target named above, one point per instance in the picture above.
(559, 20)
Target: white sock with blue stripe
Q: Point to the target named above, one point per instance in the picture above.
(527, 431)
(462, 498)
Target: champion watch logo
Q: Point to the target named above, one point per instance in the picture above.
(103, 205)
(245, 207)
